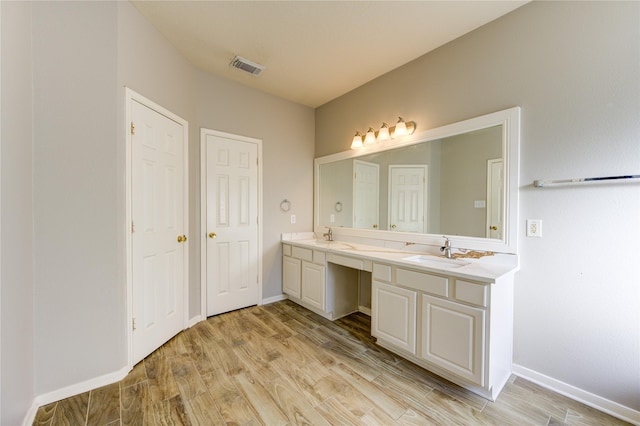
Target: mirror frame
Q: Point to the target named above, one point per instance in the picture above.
(509, 119)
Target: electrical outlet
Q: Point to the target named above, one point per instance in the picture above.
(332, 218)
(534, 228)
(293, 218)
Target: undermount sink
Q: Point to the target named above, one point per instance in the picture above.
(437, 262)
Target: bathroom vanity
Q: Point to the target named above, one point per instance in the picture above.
(388, 205)
(451, 316)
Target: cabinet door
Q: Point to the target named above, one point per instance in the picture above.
(313, 285)
(393, 315)
(453, 337)
(291, 276)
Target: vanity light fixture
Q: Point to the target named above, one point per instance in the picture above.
(402, 128)
(383, 133)
(357, 141)
(370, 137)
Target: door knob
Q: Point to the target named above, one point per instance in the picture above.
(182, 238)
(212, 235)
(375, 226)
(494, 228)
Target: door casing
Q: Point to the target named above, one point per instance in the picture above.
(131, 96)
(203, 212)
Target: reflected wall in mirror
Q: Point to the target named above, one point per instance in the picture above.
(457, 180)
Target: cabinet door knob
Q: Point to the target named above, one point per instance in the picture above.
(212, 235)
(393, 226)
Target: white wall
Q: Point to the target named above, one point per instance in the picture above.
(17, 372)
(573, 67)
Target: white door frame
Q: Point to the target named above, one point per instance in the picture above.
(131, 96)
(203, 211)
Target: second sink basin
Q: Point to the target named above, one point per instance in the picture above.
(436, 262)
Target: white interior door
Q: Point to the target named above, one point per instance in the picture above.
(407, 198)
(158, 228)
(366, 193)
(495, 183)
(232, 231)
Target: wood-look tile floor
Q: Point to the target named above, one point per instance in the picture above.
(281, 364)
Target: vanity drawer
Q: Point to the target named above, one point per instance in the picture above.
(319, 257)
(302, 253)
(350, 262)
(470, 292)
(286, 249)
(424, 282)
(382, 272)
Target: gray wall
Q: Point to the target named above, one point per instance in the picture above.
(79, 314)
(16, 277)
(573, 67)
(286, 130)
(149, 65)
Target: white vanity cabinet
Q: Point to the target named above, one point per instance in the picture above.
(303, 275)
(453, 337)
(314, 285)
(322, 282)
(291, 268)
(458, 328)
(393, 310)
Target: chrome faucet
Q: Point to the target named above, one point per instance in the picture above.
(328, 235)
(446, 249)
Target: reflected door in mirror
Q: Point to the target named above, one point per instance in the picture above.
(407, 198)
(366, 184)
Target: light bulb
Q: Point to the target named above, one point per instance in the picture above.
(370, 137)
(401, 128)
(357, 141)
(383, 133)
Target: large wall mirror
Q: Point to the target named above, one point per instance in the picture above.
(459, 180)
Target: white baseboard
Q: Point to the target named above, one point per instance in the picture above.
(364, 310)
(73, 390)
(610, 407)
(193, 321)
(31, 414)
(274, 299)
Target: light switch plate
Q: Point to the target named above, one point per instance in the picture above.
(293, 218)
(534, 228)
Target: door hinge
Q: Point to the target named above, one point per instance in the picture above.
(133, 227)
(133, 128)
(133, 324)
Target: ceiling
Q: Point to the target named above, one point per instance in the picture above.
(314, 51)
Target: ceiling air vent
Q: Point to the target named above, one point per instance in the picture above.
(246, 65)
